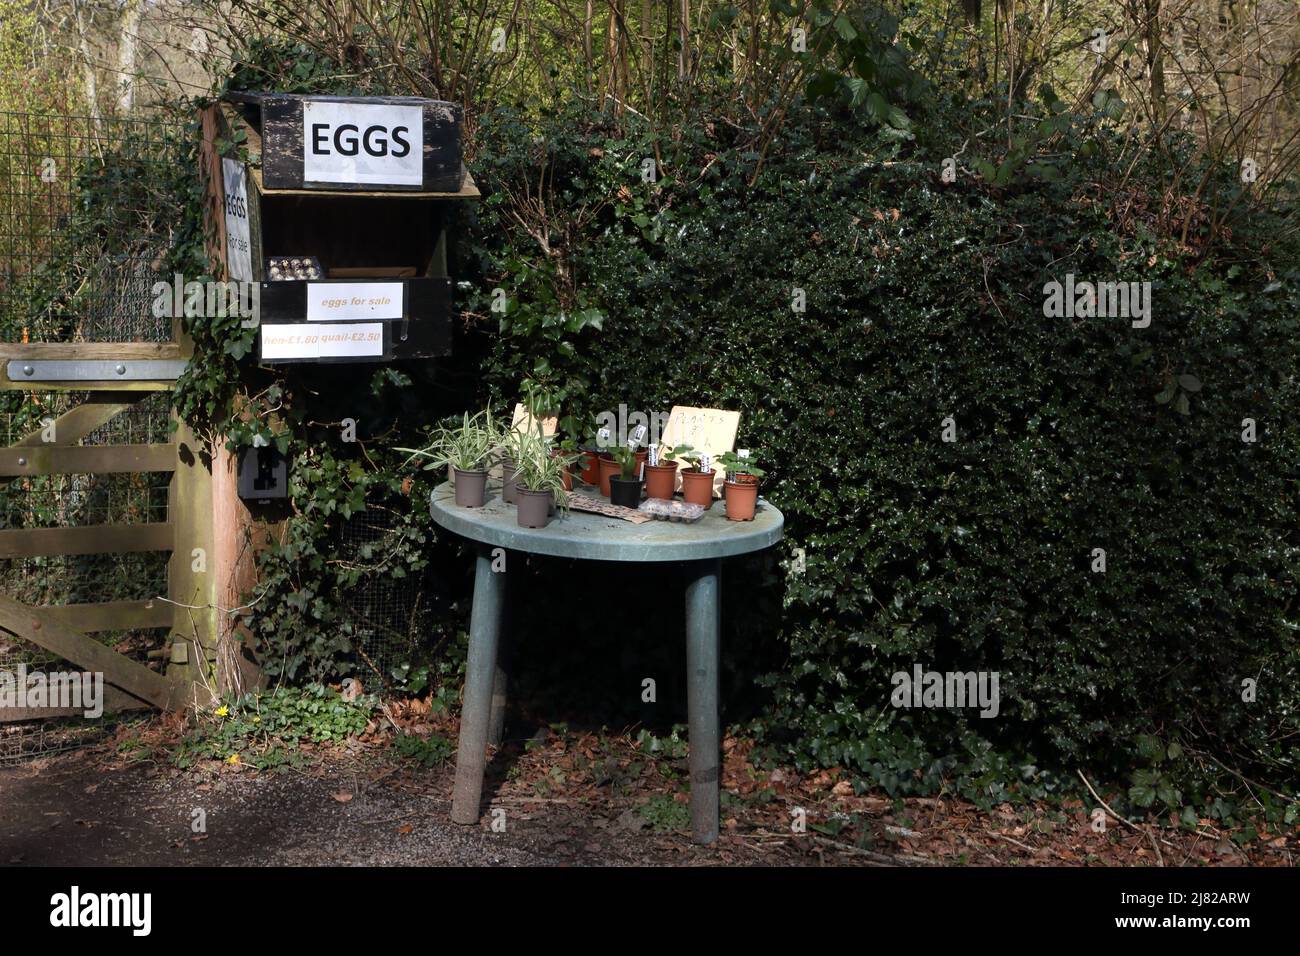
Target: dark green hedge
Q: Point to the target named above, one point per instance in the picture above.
(925, 301)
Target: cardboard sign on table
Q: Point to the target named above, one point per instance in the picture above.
(711, 430)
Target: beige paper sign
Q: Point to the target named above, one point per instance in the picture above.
(712, 430)
(523, 420)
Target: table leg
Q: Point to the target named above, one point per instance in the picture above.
(497, 718)
(484, 634)
(702, 627)
(501, 673)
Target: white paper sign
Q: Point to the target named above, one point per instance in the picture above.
(362, 143)
(239, 249)
(322, 341)
(337, 301)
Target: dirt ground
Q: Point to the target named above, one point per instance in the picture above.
(567, 799)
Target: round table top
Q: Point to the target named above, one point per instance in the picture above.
(598, 537)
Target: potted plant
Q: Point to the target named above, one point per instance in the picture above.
(697, 480)
(607, 465)
(741, 484)
(468, 450)
(539, 482)
(589, 459)
(509, 464)
(570, 455)
(661, 477)
(625, 487)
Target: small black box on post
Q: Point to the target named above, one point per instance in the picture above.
(263, 474)
(340, 215)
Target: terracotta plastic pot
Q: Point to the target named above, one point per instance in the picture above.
(508, 482)
(660, 480)
(697, 487)
(471, 488)
(589, 463)
(565, 475)
(532, 508)
(742, 498)
(608, 469)
(625, 491)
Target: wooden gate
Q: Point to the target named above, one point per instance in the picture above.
(105, 509)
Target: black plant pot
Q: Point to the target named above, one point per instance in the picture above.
(625, 492)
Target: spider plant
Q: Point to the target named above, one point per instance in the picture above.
(469, 446)
(538, 469)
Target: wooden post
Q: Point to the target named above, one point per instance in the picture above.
(191, 581)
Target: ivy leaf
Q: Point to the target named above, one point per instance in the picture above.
(1190, 382)
(1142, 795)
(1150, 748)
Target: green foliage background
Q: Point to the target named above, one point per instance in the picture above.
(924, 301)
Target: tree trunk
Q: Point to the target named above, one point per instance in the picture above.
(1155, 62)
(127, 43)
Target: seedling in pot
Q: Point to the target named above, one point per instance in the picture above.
(625, 488)
(684, 453)
(741, 466)
(660, 476)
(742, 484)
(697, 480)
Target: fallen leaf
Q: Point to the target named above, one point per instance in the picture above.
(342, 797)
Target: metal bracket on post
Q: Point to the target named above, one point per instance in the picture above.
(60, 370)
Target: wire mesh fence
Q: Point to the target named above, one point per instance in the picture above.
(85, 223)
(386, 615)
(87, 217)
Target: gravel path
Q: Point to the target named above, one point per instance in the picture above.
(70, 811)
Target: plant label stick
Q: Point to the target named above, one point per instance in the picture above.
(638, 437)
(603, 439)
(706, 462)
(654, 456)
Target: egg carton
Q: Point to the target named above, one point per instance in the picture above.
(293, 268)
(674, 510)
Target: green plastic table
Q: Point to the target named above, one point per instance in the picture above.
(700, 546)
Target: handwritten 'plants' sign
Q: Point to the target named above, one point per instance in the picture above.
(709, 430)
(362, 143)
(239, 249)
(314, 342)
(338, 301)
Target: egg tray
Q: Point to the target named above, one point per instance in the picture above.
(293, 268)
(664, 510)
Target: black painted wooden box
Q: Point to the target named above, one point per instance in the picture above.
(381, 245)
(297, 146)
